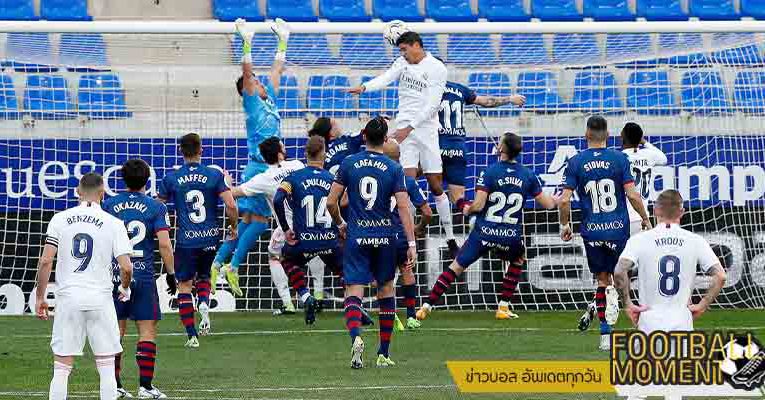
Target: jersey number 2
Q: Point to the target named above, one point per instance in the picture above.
(669, 278)
(197, 201)
(138, 230)
(82, 249)
(513, 200)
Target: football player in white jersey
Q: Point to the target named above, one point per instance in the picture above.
(267, 183)
(86, 239)
(666, 258)
(643, 157)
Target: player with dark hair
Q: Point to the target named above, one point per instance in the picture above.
(501, 191)
(643, 157)
(338, 145)
(194, 189)
(602, 180)
(371, 179)
(145, 220)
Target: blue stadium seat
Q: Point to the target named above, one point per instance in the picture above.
(9, 104)
(17, 10)
(343, 10)
(595, 92)
(450, 10)
(608, 10)
(365, 51)
(230, 10)
(749, 92)
(576, 48)
(753, 8)
(661, 10)
(291, 10)
(288, 98)
(541, 91)
(523, 49)
(503, 10)
(310, 49)
(430, 42)
(388, 10)
(624, 46)
(23, 52)
(65, 10)
(47, 97)
(748, 55)
(649, 93)
(703, 93)
(713, 10)
(493, 84)
(327, 96)
(263, 49)
(677, 42)
(555, 10)
(381, 101)
(101, 97)
(83, 52)
(470, 50)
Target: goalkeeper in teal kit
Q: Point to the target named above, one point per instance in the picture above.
(262, 122)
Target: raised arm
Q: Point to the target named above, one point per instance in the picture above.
(282, 32)
(659, 158)
(381, 81)
(247, 81)
(498, 101)
(44, 268)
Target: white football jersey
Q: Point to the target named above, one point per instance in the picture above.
(666, 258)
(642, 160)
(88, 239)
(268, 181)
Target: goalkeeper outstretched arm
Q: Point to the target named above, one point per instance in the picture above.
(282, 33)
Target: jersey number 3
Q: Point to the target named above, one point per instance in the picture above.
(196, 199)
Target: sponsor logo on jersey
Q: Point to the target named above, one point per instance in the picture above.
(308, 236)
(374, 223)
(373, 241)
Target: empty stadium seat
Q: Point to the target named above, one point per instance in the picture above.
(9, 104)
(712, 10)
(682, 42)
(523, 49)
(365, 51)
(388, 10)
(624, 46)
(343, 10)
(430, 42)
(595, 91)
(661, 10)
(230, 10)
(749, 92)
(649, 93)
(17, 10)
(263, 49)
(83, 52)
(703, 93)
(450, 10)
(470, 50)
(101, 96)
(65, 10)
(288, 98)
(753, 8)
(24, 52)
(541, 91)
(291, 10)
(555, 10)
(608, 10)
(576, 48)
(47, 97)
(493, 84)
(327, 96)
(310, 49)
(380, 101)
(746, 55)
(503, 10)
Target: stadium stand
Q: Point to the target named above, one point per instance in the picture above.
(541, 91)
(430, 42)
(649, 93)
(555, 10)
(690, 41)
(470, 49)
(493, 84)
(100, 96)
(291, 10)
(230, 10)
(713, 10)
(703, 93)
(17, 10)
(749, 92)
(661, 10)
(744, 56)
(753, 8)
(595, 92)
(382, 101)
(365, 51)
(608, 10)
(343, 10)
(9, 104)
(450, 10)
(306, 49)
(24, 50)
(503, 10)
(83, 52)
(517, 49)
(263, 48)
(627, 45)
(327, 96)
(47, 97)
(405, 10)
(64, 10)
(576, 48)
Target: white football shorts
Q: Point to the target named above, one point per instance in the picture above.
(72, 326)
(421, 148)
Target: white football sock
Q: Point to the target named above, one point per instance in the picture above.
(445, 215)
(317, 273)
(280, 280)
(60, 382)
(108, 383)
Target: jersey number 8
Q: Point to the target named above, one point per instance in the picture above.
(603, 195)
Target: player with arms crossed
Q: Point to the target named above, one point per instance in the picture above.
(422, 80)
(194, 189)
(452, 135)
(300, 205)
(371, 179)
(145, 220)
(602, 180)
(86, 240)
(262, 122)
(501, 192)
(642, 159)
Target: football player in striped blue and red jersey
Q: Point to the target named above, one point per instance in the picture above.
(339, 145)
(146, 219)
(501, 192)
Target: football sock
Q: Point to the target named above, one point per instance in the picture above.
(60, 382)
(600, 303)
(203, 291)
(317, 273)
(279, 278)
(107, 383)
(118, 369)
(353, 316)
(387, 315)
(443, 283)
(186, 311)
(296, 277)
(409, 300)
(510, 282)
(445, 215)
(145, 357)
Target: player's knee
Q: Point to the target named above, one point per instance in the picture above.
(185, 286)
(456, 267)
(386, 290)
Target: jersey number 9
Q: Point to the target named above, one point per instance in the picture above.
(82, 249)
(368, 191)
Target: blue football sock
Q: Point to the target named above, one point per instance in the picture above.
(605, 329)
(248, 240)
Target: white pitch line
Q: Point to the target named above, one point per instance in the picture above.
(90, 396)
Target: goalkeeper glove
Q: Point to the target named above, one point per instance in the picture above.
(246, 40)
(172, 285)
(282, 32)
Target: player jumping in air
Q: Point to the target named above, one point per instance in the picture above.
(602, 180)
(85, 239)
(194, 189)
(422, 80)
(371, 179)
(501, 192)
(301, 207)
(262, 122)
(145, 219)
(452, 135)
